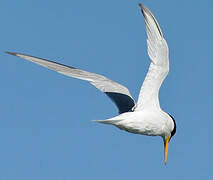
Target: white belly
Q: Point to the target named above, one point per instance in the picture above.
(151, 123)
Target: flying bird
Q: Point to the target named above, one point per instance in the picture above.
(146, 116)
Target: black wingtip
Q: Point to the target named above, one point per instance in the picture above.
(11, 53)
(146, 12)
(142, 8)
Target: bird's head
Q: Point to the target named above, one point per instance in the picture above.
(168, 137)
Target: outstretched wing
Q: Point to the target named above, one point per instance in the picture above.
(119, 94)
(159, 54)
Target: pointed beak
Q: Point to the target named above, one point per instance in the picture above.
(166, 145)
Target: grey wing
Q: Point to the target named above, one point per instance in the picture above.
(158, 52)
(119, 94)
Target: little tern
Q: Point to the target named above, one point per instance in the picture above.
(146, 116)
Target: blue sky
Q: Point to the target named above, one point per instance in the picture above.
(46, 130)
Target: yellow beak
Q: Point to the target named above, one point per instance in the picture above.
(166, 145)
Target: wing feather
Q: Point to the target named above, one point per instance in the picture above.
(119, 94)
(159, 67)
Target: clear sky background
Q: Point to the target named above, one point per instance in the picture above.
(46, 130)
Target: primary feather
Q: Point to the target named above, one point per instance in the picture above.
(119, 94)
(159, 67)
